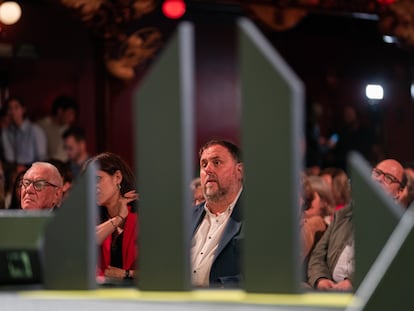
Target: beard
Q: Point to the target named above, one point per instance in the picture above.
(214, 194)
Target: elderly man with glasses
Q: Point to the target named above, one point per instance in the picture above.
(331, 264)
(41, 187)
(390, 175)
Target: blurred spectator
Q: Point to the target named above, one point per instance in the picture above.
(65, 173)
(15, 192)
(75, 146)
(23, 141)
(64, 111)
(407, 198)
(11, 173)
(4, 123)
(331, 264)
(312, 225)
(198, 196)
(340, 185)
(314, 140)
(353, 135)
(2, 188)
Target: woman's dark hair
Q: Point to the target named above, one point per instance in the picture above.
(308, 194)
(110, 163)
(15, 195)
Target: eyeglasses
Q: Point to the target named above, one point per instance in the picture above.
(388, 178)
(38, 185)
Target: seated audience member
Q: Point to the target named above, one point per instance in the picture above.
(41, 187)
(23, 141)
(316, 213)
(217, 223)
(74, 142)
(117, 232)
(64, 110)
(323, 204)
(407, 197)
(331, 264)
(13, 172)
(16, 191)
(195, 186)
(65, 173)
(340, 185)
(2, 187)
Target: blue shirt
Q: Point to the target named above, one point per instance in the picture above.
(25, 144)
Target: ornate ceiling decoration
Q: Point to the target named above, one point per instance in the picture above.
(126, 47)
(112, 22)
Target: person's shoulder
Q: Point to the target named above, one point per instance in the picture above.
(198, 209)
(44, 122)
(344, 212)
(37, 128)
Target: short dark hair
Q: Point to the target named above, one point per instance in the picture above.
(77, 132)
(64, 102)
(232, 148)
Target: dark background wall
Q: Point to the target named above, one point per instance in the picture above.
(334, 56)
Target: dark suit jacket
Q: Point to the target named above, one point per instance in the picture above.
(226, 267)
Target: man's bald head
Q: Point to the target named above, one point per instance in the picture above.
(41, 187)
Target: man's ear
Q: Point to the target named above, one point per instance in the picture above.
(59, 196)
(240, 170)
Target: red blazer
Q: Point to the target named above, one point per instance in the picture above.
(129, 246)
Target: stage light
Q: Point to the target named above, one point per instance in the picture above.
(374, 92)
(173, 9)
(10, 12)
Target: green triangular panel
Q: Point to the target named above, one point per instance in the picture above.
(70, 241)
(272, 99)
(395, 290)
(164, 155)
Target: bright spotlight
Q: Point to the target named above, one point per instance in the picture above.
(374, 91)
(10, 12)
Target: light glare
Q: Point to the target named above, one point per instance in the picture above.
(374, 91)
(10, 12)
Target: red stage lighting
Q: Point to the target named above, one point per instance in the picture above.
(386, 2)
(173, 8)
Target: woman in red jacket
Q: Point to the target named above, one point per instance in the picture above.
(117, 231)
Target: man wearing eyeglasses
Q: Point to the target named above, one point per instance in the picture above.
(390, 175)
(41, 187)
(331, 264)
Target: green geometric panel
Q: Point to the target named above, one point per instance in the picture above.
(70, 239)
(164, 155)
(22, 229)
(272, 99)
(395, 289)
(375, 216)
